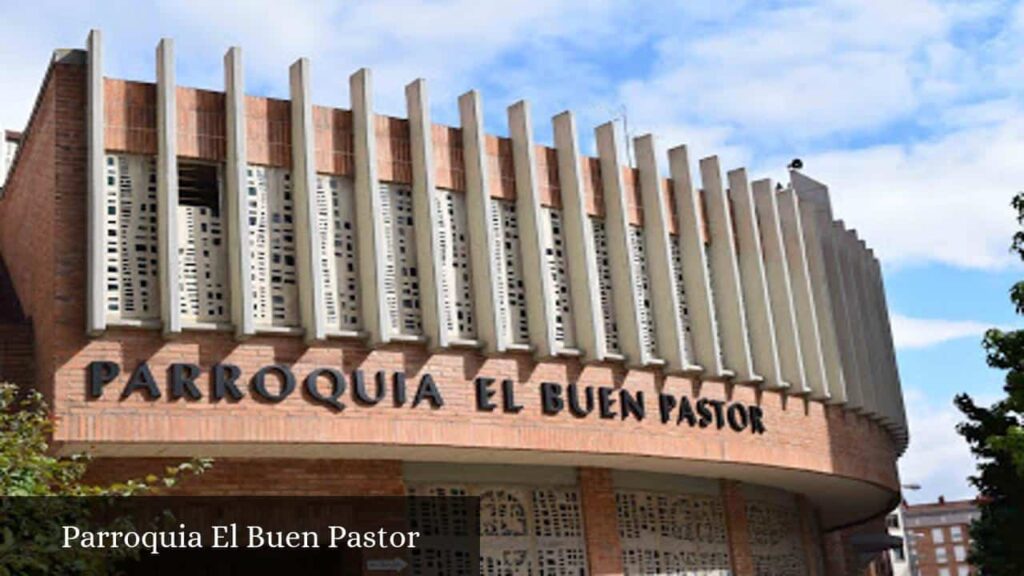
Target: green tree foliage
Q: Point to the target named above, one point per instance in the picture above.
(40, 492)
(996, 437)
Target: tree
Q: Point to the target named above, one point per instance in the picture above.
(47, 491)
(996, 437)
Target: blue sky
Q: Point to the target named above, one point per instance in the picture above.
(910, 111)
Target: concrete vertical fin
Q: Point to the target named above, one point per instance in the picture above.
(167, 188)
(668, 312)
(96, 285)
(479, 215)
(707, 350)
(619, 245)
(370, 225)
(434, 303)
(583, 275)
(307, 247)
(540, 296)
(725, 275)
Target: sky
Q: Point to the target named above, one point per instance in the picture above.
(910, 111)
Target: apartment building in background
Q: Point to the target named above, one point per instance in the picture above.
(936, 538)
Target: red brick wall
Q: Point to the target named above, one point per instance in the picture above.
(43, 239)
(737, 529)
(600, 522)
(46, 261)
(807, 436)
(265, 477)
(47, 264)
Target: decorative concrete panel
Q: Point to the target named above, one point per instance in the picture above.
(524, 530)
(401, 280)
(202, 256)
(456, 275)
(555, 251)
(604, 280)
(775, 542)
(642, 288)
(666, 533)
(507, 255)
(272, 245)
(336, 205)
(132, 291)
(677, 269)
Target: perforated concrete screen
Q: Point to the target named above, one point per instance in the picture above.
(401, 279)
(677, 269)
(456, 280)
(131, 238)
(556, 253)
(604, 280)
(525, 530)
(775, 543)
(326, 191)
(665, 533)
(202, 247)
(507, 256)
(272, 245)
(336, 215)
(714, 306)
(642, 287)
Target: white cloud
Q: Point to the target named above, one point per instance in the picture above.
(938, 458)
(923, 332)
(941, 200)
(916, 129)
(917, 132)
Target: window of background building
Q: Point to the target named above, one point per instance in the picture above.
(938, 536)
(941, 556)
(893, 521)
(900, 556)
(963, 571)
(960, 553)
(956, 534)
(944, 572)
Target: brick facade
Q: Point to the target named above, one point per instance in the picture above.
(310, 449)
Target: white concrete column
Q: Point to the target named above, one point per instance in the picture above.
(699, 300)
(753, 282)
(370, 221)
(167, 187)
(725, 275)
(627, 301)
(236, 176)
(815, 217)
(780, 292)
(804, 304)
(96, 285)
(852, 353)
(846, 244)
(890, 350)
(670, 335)
(479, 214)
(873, 334)
(433, 300)
(584, 288)
(540, 293)
(307, 246)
